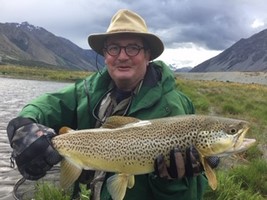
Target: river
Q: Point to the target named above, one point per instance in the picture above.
(14, 94)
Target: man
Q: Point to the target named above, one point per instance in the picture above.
(131, 84)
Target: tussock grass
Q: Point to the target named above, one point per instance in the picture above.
(41, 73)
(241, 182)
(47, 190)
(230, 189)
(243, 176)
(252, 176)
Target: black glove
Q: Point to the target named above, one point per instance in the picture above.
(179, 166)
(213, 161)
(32, 149)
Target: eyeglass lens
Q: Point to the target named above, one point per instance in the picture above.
(130, 50)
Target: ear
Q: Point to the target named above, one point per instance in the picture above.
(105, 56)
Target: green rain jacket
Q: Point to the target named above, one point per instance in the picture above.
(75, 107)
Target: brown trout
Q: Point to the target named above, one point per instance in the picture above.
(128, 146)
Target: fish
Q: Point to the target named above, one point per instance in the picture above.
(128, 146)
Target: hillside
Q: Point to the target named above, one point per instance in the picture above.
(30, 45)
(246, 55)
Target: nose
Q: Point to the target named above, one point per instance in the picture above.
(122, 54)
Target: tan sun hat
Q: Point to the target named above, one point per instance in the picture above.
(126, 21)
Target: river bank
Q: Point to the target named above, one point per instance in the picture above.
(41, 73)
(37, 73)
(239, 77)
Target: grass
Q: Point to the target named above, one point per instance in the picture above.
(240, 177)
(41, 73)
(47, 190)
(241, 182)
(230, 189)
(243, 176)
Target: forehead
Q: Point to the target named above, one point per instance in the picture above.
(124, 39)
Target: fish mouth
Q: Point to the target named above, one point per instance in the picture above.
(240, 143)
(239, 137)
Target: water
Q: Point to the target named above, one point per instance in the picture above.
(14, 94)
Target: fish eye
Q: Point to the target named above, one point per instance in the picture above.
(233, 130)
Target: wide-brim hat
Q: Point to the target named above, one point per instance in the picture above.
(127, 22)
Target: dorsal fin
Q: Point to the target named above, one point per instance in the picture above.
(119, 121)
(64, 130)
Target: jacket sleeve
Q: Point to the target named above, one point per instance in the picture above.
(53, 109)
(179, 103)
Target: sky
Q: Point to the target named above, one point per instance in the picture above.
(191, 30)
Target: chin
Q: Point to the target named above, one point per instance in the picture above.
(124, 75)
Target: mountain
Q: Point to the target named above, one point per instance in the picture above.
(30, 45)
(174, 67)
(245, 55)
(183, 69)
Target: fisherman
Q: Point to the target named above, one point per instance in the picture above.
(131, 84)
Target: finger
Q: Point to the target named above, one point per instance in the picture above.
(177, 164)
(193, 165)
(194, 152)
(161, 167)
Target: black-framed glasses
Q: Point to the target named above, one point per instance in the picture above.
(131, 49)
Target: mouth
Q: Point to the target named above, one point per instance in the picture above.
(239, 137)
(123, 67)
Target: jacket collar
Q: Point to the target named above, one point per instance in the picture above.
(157, 81)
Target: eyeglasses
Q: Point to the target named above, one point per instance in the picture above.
(131, 50)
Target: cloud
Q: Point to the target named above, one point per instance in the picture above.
(210, 24)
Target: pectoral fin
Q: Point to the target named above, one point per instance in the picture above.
(210, 174)
(117, 185)
(69, 173)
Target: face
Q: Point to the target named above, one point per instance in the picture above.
(126, 71)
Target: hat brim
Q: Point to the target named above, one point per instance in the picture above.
(96, 42)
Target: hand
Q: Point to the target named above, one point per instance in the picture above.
(32, 149)
(179, 166)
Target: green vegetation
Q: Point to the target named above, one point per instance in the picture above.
(41, 73)
(243, 176)
(242, 182)
(239, 177)
(46, 190)
(230, 188)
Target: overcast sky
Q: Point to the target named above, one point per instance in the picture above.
(192, 30)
